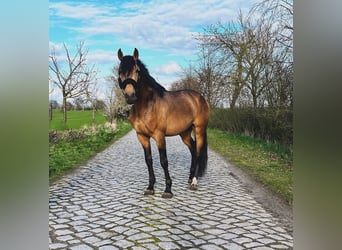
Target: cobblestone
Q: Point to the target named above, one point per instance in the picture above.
(101, 206)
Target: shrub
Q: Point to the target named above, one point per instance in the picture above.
(270, 124)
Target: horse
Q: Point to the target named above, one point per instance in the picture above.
(158, 113)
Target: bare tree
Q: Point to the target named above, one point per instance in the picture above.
(211, 76)
(91, 95)
(257, 50)
(188, 80)
(71, 76)
(231, 42)
(277, 15)
(116, 103)
(206, 77)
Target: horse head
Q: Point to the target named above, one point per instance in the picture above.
(129, 75)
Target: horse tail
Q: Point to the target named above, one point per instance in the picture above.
(203, 157)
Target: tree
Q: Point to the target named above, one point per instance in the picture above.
(230, 41)
(278, 16)
(79, 103)
(257, 50)
(116, 105)
(54, 104)
(205, 77)
(187, 81)
(72, 76)
(211, 77)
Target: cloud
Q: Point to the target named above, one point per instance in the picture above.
(78, 11)
(171, 68)
(101, 56)
(153, 24)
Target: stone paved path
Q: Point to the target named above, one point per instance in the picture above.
(101, 206)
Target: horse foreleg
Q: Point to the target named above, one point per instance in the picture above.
(145, 142)
(152, 179)
(168, 182)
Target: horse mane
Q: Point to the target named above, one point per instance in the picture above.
(150, 80)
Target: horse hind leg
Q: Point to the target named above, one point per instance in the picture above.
(201, 155)
(191, 144)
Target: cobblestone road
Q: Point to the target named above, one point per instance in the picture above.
(101, 206)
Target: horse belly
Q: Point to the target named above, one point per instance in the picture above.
(177, 125)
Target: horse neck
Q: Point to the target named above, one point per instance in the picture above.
(147, 93)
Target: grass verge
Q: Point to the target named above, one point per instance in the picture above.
(66, 154)
(267, 163)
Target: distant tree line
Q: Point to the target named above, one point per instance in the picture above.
(79, 104)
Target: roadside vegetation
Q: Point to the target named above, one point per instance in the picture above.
(78, 140)
(268, 163)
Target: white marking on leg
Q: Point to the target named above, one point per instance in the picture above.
(194, 181)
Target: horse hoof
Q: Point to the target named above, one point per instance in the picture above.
(167, 195)
(193, 187)
(149, 192)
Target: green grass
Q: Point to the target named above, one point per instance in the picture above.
(66, 155)
(267, 163)
(75, 119)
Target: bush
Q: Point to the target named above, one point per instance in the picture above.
(106, 130)
(270, 124)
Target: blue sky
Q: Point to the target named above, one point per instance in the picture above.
(162, 31)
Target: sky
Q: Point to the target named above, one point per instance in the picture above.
(162, 31)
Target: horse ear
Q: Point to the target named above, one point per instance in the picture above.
(120, 54)
(136, 54)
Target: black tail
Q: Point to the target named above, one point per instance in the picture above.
(203, 158)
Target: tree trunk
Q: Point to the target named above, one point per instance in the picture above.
(93, 115)
(64, 109)
(234, 98)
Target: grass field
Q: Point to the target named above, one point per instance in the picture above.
(266, 162)
(75, 119)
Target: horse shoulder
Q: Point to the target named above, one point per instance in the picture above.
(141, 121)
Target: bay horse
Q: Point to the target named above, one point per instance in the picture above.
(157, 113)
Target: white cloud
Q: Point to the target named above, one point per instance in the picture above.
(101, 56)
(153, 24)
(78, 11)
(171, 68)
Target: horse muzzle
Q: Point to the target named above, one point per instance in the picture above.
(131, 99)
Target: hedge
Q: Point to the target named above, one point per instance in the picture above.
(270, 124)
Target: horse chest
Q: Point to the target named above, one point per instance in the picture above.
(143, 125)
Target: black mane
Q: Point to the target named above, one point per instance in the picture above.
(150, 80)
(127, 65)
